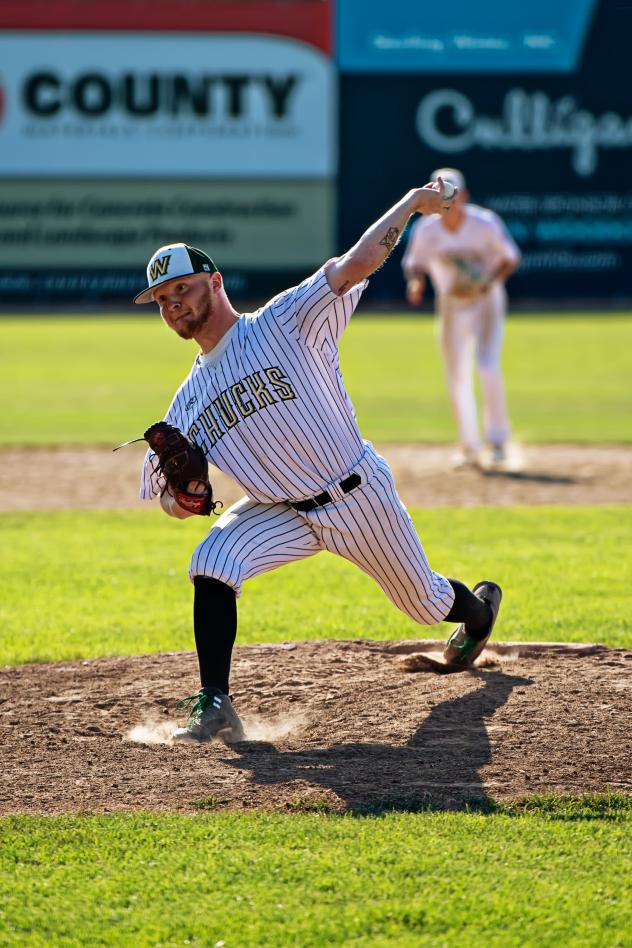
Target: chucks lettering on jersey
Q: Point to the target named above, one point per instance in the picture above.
(250, 394)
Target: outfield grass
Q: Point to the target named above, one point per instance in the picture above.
(103, 380)
(402, 879)
(85, 584)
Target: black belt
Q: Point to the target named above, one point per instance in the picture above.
(320, 500)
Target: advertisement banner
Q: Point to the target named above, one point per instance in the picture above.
(550, 153)
(146, 104)
(95, 236)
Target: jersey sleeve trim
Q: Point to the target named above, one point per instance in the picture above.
(152, 483)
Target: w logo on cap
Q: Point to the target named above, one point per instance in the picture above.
(159, 267)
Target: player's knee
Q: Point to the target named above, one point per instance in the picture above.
(459, 377)
(222, 569)
(487, 363)
(208, 587)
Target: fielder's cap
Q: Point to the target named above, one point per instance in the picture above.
(452, 175)
(172, 262)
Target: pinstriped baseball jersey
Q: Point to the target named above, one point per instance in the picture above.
(269, 406)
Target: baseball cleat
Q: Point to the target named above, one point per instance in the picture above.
(462, 649)
(497, 457)
(465, 458)
(211, 715)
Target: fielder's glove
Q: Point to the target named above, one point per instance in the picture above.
(184, 466)
(469, 280)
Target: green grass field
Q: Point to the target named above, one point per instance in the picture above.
(114, 583)
(543, 872)
(92, 380)
(426, 879)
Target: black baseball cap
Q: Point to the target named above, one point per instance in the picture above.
(172, 262)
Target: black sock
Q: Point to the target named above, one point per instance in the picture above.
(468, 608)
(215, 627)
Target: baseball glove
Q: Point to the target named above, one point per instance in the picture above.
(184, 466)
(469, 280)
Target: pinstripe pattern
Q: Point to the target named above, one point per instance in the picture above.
(282, 438)
(369, 527)
(271, 410)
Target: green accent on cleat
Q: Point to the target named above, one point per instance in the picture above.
(462, 649)
(211, 715)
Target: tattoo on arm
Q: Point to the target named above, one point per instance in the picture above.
(390, 238)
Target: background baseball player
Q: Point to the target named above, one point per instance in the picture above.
(266, 403)
(468, 255)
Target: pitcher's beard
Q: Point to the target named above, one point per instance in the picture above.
(193, 324)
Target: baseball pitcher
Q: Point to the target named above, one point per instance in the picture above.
(265, 402)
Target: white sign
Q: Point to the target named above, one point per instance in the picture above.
(144, 104)
(106, 223)
(529, 121)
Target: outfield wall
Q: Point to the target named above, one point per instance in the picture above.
(129, 126)
(272, 132)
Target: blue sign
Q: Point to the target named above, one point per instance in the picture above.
(461, 36)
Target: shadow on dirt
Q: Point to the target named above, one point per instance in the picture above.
(532, 476)
(438, 768)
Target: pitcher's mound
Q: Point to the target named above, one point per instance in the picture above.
(329, 726)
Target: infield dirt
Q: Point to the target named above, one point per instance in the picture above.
(90, 478)
(330, 725)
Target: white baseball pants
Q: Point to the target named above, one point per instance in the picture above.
(368, 526)
(473, 331)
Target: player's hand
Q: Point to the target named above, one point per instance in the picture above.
(196, 487)
(432, 198)
(415, 292)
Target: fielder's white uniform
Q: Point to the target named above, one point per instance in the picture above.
(460, 259)
(269, 407)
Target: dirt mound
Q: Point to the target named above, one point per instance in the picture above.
(92, 478)
(330, 725)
